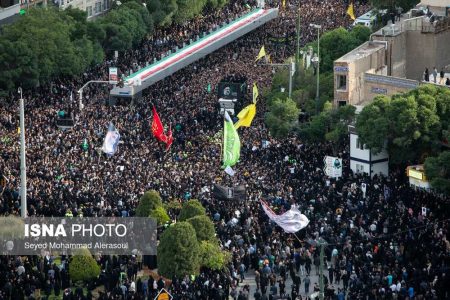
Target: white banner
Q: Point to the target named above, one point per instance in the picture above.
(333, 166)
(113, 75)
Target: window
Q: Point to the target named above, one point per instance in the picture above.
(89, 10)
(98, 8)
(105, 4)
(342, 103)
(342, 82)
(359, 145)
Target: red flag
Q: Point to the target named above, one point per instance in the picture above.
(157, 127)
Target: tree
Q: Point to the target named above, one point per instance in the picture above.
(18, 65)
(391, 4)
(148, 202)
(160, 215)
(330, 125)
(216, 3)
(47, 34)
(83, 267)
(334, 44)
(212, 257)
(178, 251)
(191, 209)
(188, 9)
(437, 170)
(281, 117)
(204, 228)
(162, 11)
(409, 123)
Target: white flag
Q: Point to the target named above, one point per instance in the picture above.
(291, 221)
(111, 140)
(229, 171)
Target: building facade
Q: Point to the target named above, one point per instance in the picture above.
(363, 160)
(393, 61)
(93, 8)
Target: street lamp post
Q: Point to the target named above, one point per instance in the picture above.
(291, 66)
(80, 91)
(322, 243)
(318, 27)
(23, 167)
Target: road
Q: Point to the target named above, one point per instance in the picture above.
(250, 280)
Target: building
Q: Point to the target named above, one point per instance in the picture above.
(394, 59)
(363, 160)
(93, 8)
(417, 178)
(9, 10)
(391, 62)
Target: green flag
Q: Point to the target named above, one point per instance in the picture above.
(85, 145)
(231, 143)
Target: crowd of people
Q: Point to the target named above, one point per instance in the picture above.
(380, 244)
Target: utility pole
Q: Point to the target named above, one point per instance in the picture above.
(23, 167)
(291, 74)
(318, 68)
(322, 244)
(318, 27)
(297, 54)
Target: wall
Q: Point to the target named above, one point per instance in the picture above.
(375, 85)
(356, 152)
(363, 158)
(9, 11)
(426, 50)
(380, 168)
(341, 68)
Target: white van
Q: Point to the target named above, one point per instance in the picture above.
(368, 19)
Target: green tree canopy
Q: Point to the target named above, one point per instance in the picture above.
(281, 117)
(47, 34)
(330, 125)
(191, 209)
(216, 3)
(188, 9)
(44, 44)
(212, 257)
(83, 267)
(160, 215)
(338, 42)
(389, 4)
(437, 170)
(148, 202)
(410, 123)
(125, 26)
(178, 251)
(162, 11)
(204, 228)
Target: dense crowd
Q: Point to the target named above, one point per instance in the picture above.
(381, 245)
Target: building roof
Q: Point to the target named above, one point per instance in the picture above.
(362, 51)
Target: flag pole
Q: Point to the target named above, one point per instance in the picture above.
(297, 238)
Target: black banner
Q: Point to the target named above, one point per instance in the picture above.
(229, 193)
